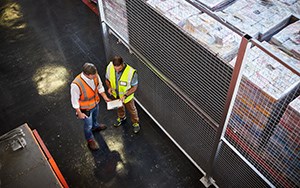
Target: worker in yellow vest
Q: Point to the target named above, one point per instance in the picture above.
(85, 90)
(122, 82)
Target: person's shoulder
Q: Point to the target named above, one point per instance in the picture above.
(130, 66)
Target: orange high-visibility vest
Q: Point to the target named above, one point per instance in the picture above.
(89, 98)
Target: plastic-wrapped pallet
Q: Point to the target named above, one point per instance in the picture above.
(292, 5)
(288, 39)
(255, 18)
(265, 82)
(295, 9)
(294, 63)
(215, 4)
(288, 2)
(116, 17)
(218, 38)
(177, 11)
(232, 14)
(163, 6)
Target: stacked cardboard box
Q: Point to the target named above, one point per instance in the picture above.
(292, 5)
(206, 30)
(209, 32)
(256, 18)
(116, 17)
(177, 11)
(288, 59)
(288, 39)
(215, 4)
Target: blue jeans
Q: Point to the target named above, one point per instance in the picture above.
(91, 123)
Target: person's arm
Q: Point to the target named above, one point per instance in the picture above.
(101, 90)
(134, 86)
(129, 92)
(75, 94)
(104, 96)
(79, 114)
(109, 89)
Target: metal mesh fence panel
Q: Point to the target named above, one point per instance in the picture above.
(187, 128)
(193, 67)
(261, 107)
(231, 171)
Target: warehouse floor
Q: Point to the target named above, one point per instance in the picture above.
(43, 47)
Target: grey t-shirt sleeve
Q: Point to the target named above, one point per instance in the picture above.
(134, 80)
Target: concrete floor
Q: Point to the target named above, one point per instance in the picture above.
(43, 45)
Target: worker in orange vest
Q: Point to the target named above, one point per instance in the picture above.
(85, 90)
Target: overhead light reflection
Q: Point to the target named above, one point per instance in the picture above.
(21, 26)
(49, 79)
(10, 16)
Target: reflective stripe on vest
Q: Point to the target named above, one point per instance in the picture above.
(124, 83)
(89, 98)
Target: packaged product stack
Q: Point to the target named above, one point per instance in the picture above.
(288, 39)
(215, 4)
(288, 2)
(292, 5)
(115, 14)
(256, 18)
(206, 30)
(177, 11)
(219, 39)
(282, 152)
(265, 82)
(288, 59)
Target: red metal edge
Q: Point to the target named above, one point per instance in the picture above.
(50, 159)
(92, 6)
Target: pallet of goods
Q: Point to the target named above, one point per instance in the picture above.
(286, 57)
(259, 19)
(215, 4)
(116, 17)
(204, 29)
(288, 39)
(265, 82)
(176, 11)
(216, 37)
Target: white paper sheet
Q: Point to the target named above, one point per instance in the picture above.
(114, 104)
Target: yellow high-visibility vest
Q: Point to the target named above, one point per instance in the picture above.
(124, 83)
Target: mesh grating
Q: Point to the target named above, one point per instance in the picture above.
(194, 69)
(263, 126)
(187, 127)
(234, 172)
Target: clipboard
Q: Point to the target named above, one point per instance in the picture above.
(114, 104)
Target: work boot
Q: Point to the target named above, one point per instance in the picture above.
(100, 128)
(136, 128)
(93, 145)
(120, 121)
